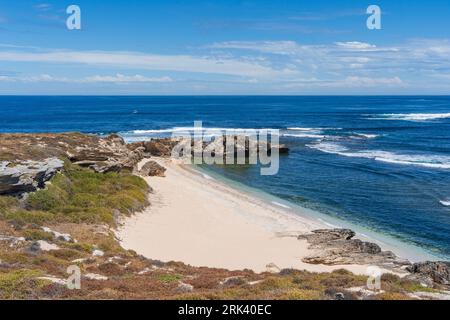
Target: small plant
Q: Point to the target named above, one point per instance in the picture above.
(169, 277)
(38, 235)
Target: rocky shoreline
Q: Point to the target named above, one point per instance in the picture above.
(28, 162)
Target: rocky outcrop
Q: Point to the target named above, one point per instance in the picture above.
(109, 155)
(27, 176)
(337, 246)
(152, 169)
(100, 153)
(160, 147)
(221, 146)
(27, 161)
(431, 271)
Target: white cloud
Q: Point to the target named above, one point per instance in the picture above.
(42, 78)
(356, 81)
(181, 63)
(275, 47)
(33, 78)
(355, 45)
(120, 78)
(348, 82)
(43, 6)
(269, 66)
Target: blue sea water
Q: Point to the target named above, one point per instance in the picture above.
(381, 162)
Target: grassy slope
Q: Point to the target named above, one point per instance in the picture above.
(79, 195)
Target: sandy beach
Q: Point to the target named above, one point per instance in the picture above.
(200, 221)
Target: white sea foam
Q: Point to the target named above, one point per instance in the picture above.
(281, 205)
(318, 133)
(329, 147)
(208, 177)
(366, 136)
(191, 129)
(312, 129)
(305, 129)
(418, 117)
(327, 223)
(304, 135)
(445, 203)
(429, 161)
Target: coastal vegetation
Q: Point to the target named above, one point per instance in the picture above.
(79, 195)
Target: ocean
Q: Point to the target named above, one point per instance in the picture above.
(379, 162)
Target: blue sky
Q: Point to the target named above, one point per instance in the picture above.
(224, 47)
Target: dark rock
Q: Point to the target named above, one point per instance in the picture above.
(27, 176)
(437, 271)
(283, 149)
(326, 235)
(152, 169)
(340, 294)
(34, 248)
(337, 246)
(233, 282)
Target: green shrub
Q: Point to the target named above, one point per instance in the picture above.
(169, 277)
(80, 195)
(20, 284)
(53, 197)
(38, 235)
(25, 216)
(65, 254)
(6, 203)
(83, 247)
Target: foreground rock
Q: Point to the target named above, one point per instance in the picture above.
(429, 272)
(337, 246)
(27, 161)
(27, 176)
(152, 169)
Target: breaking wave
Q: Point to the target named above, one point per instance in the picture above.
(304, 135)
(321, 133)
(418, 117)
(190, 129)
(365, 135)
(429, 161)
(311, 129)
(281, 205)
(445, 203)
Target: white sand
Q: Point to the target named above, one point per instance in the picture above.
(203, 222)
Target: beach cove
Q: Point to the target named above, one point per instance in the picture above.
(200, 221)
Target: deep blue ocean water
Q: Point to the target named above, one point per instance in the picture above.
(379, 162)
